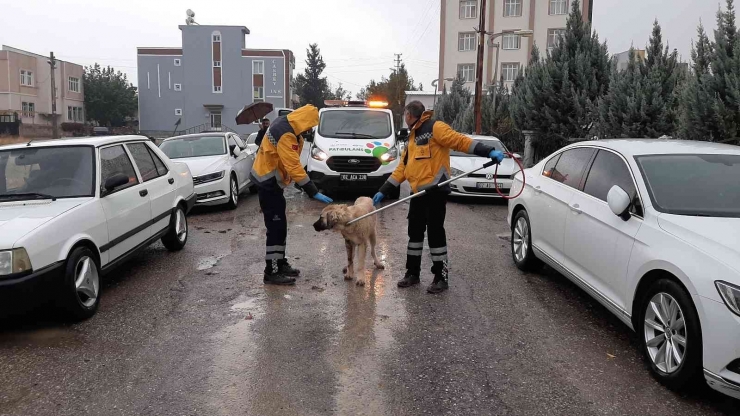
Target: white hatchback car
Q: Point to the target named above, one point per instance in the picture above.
(481, 183)
(220, 164)
(72, 209)
(651, 229)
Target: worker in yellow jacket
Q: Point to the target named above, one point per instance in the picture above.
(426, 163)
(278, 163)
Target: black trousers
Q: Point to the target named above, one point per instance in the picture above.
(427, 213)
(272, 202)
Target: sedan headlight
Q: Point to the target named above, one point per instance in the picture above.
(730, 294)
(211, 177)
(14, 261)
(319, 154)
(456, 172)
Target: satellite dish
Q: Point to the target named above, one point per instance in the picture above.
(190, 13)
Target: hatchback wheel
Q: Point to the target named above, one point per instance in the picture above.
(670, 334)
(81, 291)
(233, 194)
(521, 243)
(177, 233)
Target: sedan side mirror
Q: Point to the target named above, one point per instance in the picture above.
(234, 150)
(119, 179)
(619, 202)
(308, 135)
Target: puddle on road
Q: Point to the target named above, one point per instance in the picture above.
(42, 337)
(209, 262)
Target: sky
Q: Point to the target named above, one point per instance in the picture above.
(358, 38)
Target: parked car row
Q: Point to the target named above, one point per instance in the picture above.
(650, 229)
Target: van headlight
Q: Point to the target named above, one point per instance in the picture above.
(390, 155)
(319, 154)
(14, 261)
(730, 294)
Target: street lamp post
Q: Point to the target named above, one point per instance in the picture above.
(479, 80)
(434, 85)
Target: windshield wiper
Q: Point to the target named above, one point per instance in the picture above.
(356, 135)
(27, 195)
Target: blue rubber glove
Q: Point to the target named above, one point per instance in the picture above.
(323, 198)
(377, 198)
(496, 155)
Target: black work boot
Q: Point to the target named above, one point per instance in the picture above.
(285, 268)
(439, 284)
(409, 280)
(273, 275)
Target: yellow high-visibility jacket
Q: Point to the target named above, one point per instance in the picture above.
(279, 157)
(426, 160)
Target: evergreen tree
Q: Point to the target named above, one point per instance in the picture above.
(697, 102)
(642, 100)
(311, 87)
(725, 70)
(557, 97)
(452, 106)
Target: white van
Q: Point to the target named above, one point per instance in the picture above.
(354, 147)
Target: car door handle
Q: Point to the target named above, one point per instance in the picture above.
(143, 192)
(171, 180)
(576, 208)
(538, 189)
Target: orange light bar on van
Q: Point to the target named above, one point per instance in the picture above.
(377, 104)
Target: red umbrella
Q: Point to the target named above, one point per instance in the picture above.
(253, 112)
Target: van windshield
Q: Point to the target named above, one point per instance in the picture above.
(355, 124)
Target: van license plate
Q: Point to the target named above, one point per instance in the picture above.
(352, 177)
(487, 185)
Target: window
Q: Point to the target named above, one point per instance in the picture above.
(553, 37)
(608, 170)
(178, 111)
(26, 78)
(511, 41)
(509, 71)
(217, 37)
(59, 171)
(114, 161)
(178, 87)
(550, 166)
(74, 114)
(144, 161)
(74, 84)
(29, 109)
(178, 62)
(258, 67)
(468, 9)
(354, 124)
(217, 88)
(466, 41)
(558, 6)
(197, 146)
(216, 120)
(259, 94)
(466, 72)
(570, 167)
(161, 168)
(217, 64)
(512, 8)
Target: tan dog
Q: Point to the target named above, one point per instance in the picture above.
(356, 236)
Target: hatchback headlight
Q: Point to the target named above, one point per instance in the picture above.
(456, 172)
(319, 154)
(730, 294)
(209, 177)
(14, 261)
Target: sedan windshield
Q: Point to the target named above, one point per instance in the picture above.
(698, 185)
(194, 147)
(355, 124)
(494, 143)
(46, 173)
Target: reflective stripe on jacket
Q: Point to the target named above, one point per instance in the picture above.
(278, 160)
(426, 160)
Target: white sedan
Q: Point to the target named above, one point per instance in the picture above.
(220, 164)
(651, 229)
(73, 209)
(482, 183)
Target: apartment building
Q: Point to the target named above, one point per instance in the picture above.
(25, 88)
(458, 42)
(207, 80)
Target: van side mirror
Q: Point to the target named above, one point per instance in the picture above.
(308, 135)
(119, 179)
(619, 202)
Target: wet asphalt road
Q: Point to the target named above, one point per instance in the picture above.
(197, 333)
